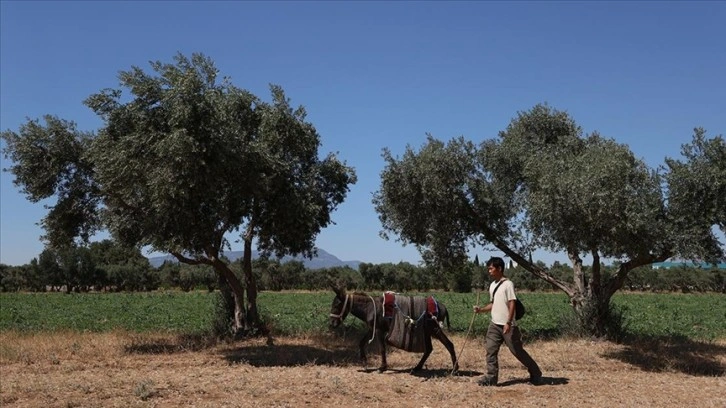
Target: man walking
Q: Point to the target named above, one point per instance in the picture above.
(503, 327)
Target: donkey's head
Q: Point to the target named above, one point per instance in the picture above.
(342, 302)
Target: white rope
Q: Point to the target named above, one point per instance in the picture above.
(342, 310)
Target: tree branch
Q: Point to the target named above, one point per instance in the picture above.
(596, 278)
(617, 281)
(578, 276)
(493, 237)
(526, 264)
(249, 233)
(189, 261)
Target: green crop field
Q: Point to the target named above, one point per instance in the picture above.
(100, 312)
(695, 316)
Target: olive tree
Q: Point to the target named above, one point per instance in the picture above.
(182, 160)
(542, 184)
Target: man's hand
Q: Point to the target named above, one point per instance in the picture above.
(483, 309)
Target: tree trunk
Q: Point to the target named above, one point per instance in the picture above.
(239, 322)
(238, 292)
(577, 297)
(598, 314)
(253, 317)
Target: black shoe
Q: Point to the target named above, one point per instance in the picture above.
(487, 382)
(535, 380)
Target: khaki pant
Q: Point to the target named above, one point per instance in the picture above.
(513, 340)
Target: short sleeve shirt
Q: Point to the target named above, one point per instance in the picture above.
(500, 306)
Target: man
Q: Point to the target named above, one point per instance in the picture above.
(503, 327)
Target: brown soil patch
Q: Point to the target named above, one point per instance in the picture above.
(122, 370)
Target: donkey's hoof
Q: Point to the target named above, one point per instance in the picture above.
(382, 369)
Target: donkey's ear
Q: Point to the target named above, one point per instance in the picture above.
(329, 281)
(337, 288)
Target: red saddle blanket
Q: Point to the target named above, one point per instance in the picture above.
(389, 304)
(431, 306)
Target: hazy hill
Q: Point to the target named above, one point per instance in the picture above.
(323, 260)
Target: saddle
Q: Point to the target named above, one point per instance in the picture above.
(408, 318)
(390, 306)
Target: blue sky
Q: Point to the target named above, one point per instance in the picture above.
(379, 74)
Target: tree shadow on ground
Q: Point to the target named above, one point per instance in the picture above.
(144, 344)
(672, 353)
(331, 350)
(290, 355)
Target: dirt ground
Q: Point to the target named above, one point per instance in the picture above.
(127, 370)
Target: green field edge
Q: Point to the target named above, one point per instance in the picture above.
(698, 317)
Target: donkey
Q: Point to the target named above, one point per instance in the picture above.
(370, 310)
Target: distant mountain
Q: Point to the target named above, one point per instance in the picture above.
(324, 260)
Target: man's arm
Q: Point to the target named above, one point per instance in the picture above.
(512, 313)
(484, 309)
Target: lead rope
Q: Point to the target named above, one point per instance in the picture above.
(461, 353)
(374, 319)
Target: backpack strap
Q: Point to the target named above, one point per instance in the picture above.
(497, 287)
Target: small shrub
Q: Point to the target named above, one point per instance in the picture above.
(144, 390)
(223, 313)
(585, 322)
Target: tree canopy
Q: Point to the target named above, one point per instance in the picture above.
(542, 184)
(182, 160)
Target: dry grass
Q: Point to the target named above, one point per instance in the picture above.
(122, 369)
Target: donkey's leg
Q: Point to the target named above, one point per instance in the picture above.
(441, 336)
(428, 347)
(382, 345)
(362, 344)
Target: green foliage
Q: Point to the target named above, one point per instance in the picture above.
(187, 146)
(697, 196)
(461, 279)
(102, 265)
(677, 279)
(50, 160)
(400, 277)
(425, 198)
